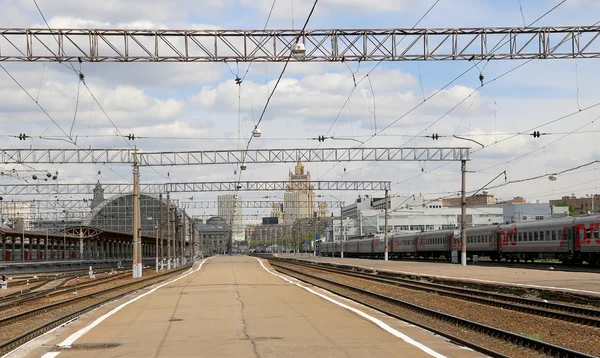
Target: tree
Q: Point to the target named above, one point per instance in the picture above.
(572, 211)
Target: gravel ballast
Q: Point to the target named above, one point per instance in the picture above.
(573, 336)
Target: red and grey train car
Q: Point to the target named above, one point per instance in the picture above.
(572, 239)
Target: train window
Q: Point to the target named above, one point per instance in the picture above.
(535, 236)
(520, 236)
(596, 233)
(554, 234)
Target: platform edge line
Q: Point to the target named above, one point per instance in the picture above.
(362, 314)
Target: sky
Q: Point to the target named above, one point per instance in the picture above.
(198, 106)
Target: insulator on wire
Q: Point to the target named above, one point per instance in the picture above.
(238, 80)
(131, 136)
(435, 136)
(536, 134)
(481, 78)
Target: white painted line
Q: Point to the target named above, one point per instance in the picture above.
(75, 336)
(362, 314)
(456, 278)
(67, 343)
(50, 354)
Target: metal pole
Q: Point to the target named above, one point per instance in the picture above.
(156, 249)
(342, 232)
(160, 230)
(23, 242)
(168, 231)
(315, 240)
(385, 235)
(183, 237)
(360, 224)
(463, 213)
(136, 218)
(174, 239)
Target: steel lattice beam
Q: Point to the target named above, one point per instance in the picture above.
(117, 45)
(253, 204)
(193, 187)
(83, 204)
(276, 186)
(126, 156)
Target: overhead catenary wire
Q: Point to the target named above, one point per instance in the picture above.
(498, 46)
(278, 81)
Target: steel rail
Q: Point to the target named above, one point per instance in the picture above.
(518, 304)
(543, 347)
(59, 289)
(27, 336)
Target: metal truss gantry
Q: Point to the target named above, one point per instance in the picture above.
(126, 156)
(255, 204)
(61, 204)
(242, 216)
(192, 187)
(118, 45)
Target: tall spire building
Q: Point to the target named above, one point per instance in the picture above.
(299, 198)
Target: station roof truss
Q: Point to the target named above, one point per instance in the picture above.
(71, 233)
(322, 45)
(130, 156)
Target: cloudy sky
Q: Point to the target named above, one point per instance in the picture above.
(197, 106)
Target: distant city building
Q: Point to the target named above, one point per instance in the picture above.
(480, 199)
(580, 205)
(230, 209)
(277, 211)
(532, 211)
(268, 233)
(322, 210)
(215, 236)
(98, 195)
(270, 221)
(299, 190)
(515, 200)
(249, 231)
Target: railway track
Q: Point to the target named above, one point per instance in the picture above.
(379, 302)
(569, 313)
(16, 329)
(536, 265)
(18, 298)
(33, 290)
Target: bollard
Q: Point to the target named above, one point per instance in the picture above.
(4, 282)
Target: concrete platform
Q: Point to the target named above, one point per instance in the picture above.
(234, 307)
(575, 282)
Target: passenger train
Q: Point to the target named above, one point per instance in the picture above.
(573, 240)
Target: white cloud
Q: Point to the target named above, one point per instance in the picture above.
(201, 100)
